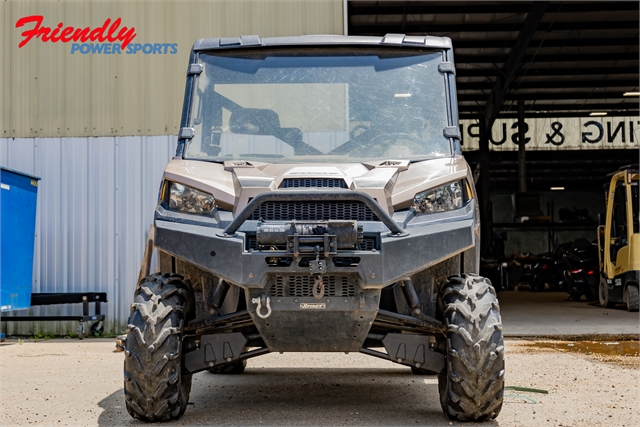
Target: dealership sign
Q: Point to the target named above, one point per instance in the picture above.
(112, 38)
(580, 133)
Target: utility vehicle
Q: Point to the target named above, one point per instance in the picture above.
(619, 241)
(318, 202)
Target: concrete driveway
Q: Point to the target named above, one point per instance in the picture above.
(79, 383)
(552, 314)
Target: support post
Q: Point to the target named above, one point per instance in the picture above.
(492, 108)
(522, 154)
(485, 189)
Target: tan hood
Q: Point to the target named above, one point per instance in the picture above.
(393, 183)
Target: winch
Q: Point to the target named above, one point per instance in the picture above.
(306, 236)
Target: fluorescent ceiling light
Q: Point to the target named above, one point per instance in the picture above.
(631, 94)
(603, 113)
(402, 95)
(557, 188)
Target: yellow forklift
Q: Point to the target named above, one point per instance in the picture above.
(619, 241)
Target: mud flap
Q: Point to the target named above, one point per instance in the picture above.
(413, 350)
(215, 349)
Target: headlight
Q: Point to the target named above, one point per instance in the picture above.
(190, 200)
(440, 199)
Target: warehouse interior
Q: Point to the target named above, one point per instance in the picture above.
(537, 60)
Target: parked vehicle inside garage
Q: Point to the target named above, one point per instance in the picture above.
(582, 273)
(548, 272)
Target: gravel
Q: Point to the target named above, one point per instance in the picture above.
(73, 383)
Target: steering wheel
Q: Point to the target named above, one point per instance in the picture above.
(378, 145)
(352, 133)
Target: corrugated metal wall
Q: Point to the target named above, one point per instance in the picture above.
(95, 203)
(48, 92)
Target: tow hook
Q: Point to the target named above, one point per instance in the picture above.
(267, 304)
(318, 287)
(317, 269)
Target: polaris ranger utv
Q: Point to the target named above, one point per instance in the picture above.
(318, 202)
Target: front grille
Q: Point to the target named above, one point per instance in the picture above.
(313, 182)
(302, 286)
(252, 243)
(369, 243)
(313, 211)
(277, 289)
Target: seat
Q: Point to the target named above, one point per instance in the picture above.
(255, 121)
(262, 121)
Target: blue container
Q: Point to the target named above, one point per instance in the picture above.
(18, 197)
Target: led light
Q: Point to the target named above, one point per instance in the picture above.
(557, 188)
(631, 94)
(190, 200)
(598, 113)
(440, 199)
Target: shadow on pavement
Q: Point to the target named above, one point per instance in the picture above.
(303, 396)
(115, 414)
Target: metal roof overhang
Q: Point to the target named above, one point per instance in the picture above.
(579, 56)
(563, 59)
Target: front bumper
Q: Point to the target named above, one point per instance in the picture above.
(427, 241)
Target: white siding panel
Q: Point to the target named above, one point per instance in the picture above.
(95, 204)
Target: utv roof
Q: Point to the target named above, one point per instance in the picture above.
(323, 40)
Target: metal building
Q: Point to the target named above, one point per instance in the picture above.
(99, 128)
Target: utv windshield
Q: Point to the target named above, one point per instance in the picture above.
(319, 105)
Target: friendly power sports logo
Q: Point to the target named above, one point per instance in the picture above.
(111, 38)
